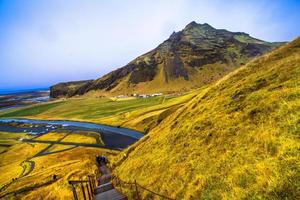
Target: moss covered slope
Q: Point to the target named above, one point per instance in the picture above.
(238, 139)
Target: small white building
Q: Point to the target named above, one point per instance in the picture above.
(156, 94)
(143, 96)
(121, 96)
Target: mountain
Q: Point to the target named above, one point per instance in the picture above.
(237, 139)
(191, 58)
(67, 89)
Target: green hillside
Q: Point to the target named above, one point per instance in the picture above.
(191, 58)
(239, 139)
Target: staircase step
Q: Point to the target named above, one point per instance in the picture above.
(105, 179)
(104, 187)
(104, 170)
(110, 195)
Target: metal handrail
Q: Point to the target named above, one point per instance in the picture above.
(136, 186)
(93, 181)
(86, 186)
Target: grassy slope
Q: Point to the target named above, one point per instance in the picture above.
(8, 139)
(73, 163)
(238, 139)
(137, 114)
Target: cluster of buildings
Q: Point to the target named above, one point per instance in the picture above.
(142, 95)
(147, 95)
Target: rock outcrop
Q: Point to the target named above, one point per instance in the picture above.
(67, 89)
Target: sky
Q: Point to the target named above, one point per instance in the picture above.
(45, 42)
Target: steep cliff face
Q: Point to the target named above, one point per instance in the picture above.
(195, 56)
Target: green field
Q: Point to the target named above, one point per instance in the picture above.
(82, 108)
(137, 113)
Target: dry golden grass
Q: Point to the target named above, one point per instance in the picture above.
(10, 161)
(33, 166)
(59, 147)
(8, 139)
(73, 164)
(52, 136)
(2, 148)
(12, 137)
(79, 139)
(238, 139)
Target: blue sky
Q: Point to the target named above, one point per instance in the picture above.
(44, 42)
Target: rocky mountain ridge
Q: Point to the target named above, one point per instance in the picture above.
(191, 58)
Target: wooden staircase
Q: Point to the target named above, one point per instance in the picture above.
(100, 187)
(106, 190)
(88, 189)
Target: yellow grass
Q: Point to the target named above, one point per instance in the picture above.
(238, 139)
(9, 139)
(52, 136)
(66, 162)
(59, 147)
(79, 138)
(12, 136)
(3, 148)
(11, 160)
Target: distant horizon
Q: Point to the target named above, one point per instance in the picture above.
(13, 91)
(47, 42)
